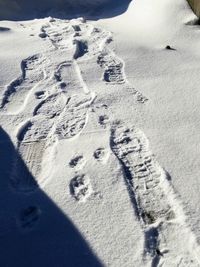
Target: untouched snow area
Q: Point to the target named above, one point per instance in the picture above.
(99, 139)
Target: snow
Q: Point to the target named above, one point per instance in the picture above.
(99, 139)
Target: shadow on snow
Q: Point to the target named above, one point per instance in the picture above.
(25, 10)
(33, 230)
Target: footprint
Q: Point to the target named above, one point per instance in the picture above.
(152, 197)
(16, 92)
(29, 218)
(96, 41)
(89, 40)
(52, 106)
(101, 154)
(143, 175)
(80, 187)
(77, 162)
(112, 65)
(52, 117)
(34, 130)
(113, 68)
(32, 142)
(69, 78)
(59, 33)
(144, 179)
(74, 117)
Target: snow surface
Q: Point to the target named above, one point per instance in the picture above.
(99, 139)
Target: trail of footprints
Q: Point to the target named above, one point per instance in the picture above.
(61, 111)
(61, 115)
(147, 186)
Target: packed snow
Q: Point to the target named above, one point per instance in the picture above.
(99, 137)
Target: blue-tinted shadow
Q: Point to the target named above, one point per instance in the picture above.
(25, 10)
(33, 230)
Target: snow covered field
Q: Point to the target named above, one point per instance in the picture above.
(99, 139)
